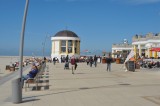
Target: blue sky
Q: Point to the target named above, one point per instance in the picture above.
(99, 23)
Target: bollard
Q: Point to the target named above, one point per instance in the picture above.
(16, 91)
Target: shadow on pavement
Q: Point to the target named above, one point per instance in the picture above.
(29, 100)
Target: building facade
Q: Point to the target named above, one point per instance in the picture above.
(121, 50)
(65, 43)
(143, 45)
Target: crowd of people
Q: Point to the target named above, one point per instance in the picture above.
(145, 62)
(149, 64)
(90, 60)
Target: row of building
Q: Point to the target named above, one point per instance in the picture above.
(66, 42)
(147, 46)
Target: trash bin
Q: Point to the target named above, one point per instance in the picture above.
(131, 66)
(16, 91)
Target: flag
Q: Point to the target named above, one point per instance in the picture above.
(131, 54)
(86, 51)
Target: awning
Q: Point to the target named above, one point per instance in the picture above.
(155, 49)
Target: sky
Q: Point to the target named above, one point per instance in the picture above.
(98, 23)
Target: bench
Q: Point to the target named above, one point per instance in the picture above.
(12, 68)
(16, 68)
(36, 80)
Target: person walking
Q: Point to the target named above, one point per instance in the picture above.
(67, 58)
(95, 61)
(75, 67)
(91, 61)
(61, 60)
(108, 61)
(54, 60)
(73, 63)
(87, 60)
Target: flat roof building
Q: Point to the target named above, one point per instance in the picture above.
(144, 45)
(121, 50)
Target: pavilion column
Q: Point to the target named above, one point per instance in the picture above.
(150, 53)
(135, 52)
(52, 47)
(140, 50)
(146, 53)
(78, 47)
(67, 47)
(73, 50)
(155, 54)
(60, 47)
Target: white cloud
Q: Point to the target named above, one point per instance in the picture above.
(122, 1)
(144, 1)
(68, 0)
(50, 0)
(137, 1)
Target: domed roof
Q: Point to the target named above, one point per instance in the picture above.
(65, 33)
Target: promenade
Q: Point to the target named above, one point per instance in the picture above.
(91, 86)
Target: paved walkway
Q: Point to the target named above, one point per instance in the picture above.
(11, 75)
(91, 86)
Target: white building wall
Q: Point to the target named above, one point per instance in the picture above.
(56, 47)
(147, 45)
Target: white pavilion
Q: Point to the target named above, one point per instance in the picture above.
(65, 43)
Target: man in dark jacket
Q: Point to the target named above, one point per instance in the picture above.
(91, 61)
(67, 58)
(31, 73)
(54, 60)
(108, 61)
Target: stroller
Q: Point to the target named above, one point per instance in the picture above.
(66, 65)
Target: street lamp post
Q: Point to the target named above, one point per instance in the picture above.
(17, 84)
(22, 38)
